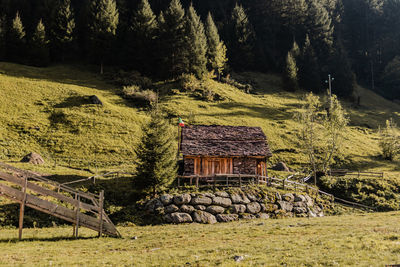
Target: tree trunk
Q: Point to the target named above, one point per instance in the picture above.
(101, 67)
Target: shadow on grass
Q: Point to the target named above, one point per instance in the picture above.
(46, 239)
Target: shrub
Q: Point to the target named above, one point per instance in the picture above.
(389, 140)
(142, 97)
(130, 78)
(190, 83)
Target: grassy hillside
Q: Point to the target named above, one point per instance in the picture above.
(46, 110)
(357, 240)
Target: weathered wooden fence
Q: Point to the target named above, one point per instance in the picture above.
(80, 208)
(356, 174)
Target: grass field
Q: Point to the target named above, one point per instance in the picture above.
(46, 110)
(356, 240)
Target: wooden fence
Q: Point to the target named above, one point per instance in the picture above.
(356, 174)
(80, 208)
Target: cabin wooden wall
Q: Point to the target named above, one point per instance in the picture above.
(210, 166)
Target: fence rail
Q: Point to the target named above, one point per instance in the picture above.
(356, 174)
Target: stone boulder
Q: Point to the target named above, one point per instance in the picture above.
(200, 207)
(246, 216)
(215, 209)
(222, 194)
(281, 166)
(309, 201)
(93, 99)
(253, 207)
(179, 217)
(263, 216)
(166, 199)
(222, 201)
(299, 198)
(153, 204)
(182, 199)
(288, 197)
(238, 208)
(171, 208)
(286, 206)
(236, 198)
(187, 209)
(299, 210)
(204, 217)
(201, 200)
(227, 217)
(33, 158)
(252, 197)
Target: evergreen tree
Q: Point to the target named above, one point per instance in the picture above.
(142, 34)
(16, 44)
(172, 41)
(241, 45)
(309, 73)
(62, 32)
(320, 28)
(391, 78)
(197, 44)
(103, 25)
(39, 47)
(216, 52)
(291, 70)
(156, 155)
(2, 37)
(341, 70)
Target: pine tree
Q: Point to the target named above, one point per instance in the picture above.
(320, 28)
(216, 52)
(141, 40)
(156, 155)
(172, 41)
(62, 32)
(197, 43)
(103, 25)
(291, 70)
(2, 37)
(16, 44)
(309, 73)
(243, 39)
(39, 47)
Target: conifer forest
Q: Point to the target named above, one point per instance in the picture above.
(305, 40)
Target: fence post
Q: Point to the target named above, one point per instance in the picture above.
(197, 181)
(240, 181)
(283, 184)
(22, 210)
(101, 204)
(78, 207)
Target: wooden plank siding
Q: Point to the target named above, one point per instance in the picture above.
(206, 166)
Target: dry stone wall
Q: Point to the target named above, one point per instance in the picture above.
(231, 206)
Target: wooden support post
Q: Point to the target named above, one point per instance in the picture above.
(22, 210)
(240, 181)
(101, 205)
(78, 207)
(227, 181)
(191, 181)
(258, 179)
(197, 181)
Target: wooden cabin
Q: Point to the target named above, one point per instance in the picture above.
(214, 149)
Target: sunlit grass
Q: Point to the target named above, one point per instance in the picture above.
(357, 240)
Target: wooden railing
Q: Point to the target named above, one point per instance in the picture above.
(78, 207)
(356, 174)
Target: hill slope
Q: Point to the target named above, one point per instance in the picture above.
(46, 110)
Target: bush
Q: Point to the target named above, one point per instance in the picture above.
(190, 83)
(142, 97)
(389, 140)
(384, 195)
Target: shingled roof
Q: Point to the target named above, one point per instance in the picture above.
(216, 140)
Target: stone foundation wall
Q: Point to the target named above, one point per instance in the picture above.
(225, 207)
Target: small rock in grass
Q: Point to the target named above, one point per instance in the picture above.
(238, 258)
